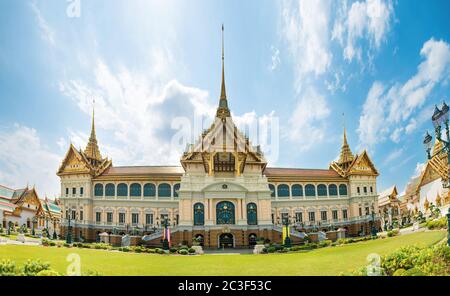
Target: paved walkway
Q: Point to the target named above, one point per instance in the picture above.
(28, 241)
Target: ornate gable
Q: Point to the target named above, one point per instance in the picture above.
(74, 163)
(363, 166)
(429, 175)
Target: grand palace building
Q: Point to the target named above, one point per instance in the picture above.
(224, 193)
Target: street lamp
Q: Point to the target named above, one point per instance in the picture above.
(374, 229)
(286, 222)
(440, 117)
(165, 223)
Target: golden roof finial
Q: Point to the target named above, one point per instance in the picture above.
(92, 150)
(346, 154)
(223, 110)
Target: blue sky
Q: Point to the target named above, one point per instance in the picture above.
(304, 63)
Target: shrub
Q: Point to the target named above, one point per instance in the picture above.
(7, 267)
(283, 250)
(277, 247)
(392, 233)
(33, 267)
(45, 242)
(271, 249)
(67, 245)
(325, 243)
(124, 249)
(183, 252)
(47, 272)
(341, 241)
(191, 251)
(100, 246)
(160, 251)
(264, 250)
(437, 223)
(173, 250)
(51, 244)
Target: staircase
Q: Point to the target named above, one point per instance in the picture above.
(292, 232)
(159, 233)
(321, 236)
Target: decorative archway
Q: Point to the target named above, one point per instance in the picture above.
(225, 213)
(252, 239)
(226, 240)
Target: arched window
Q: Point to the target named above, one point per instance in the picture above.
(322, 190)
(135, 189)
(199, 214)
(122, 190)
(332, 190)
(283, 190)
(272, 190)
(297, 190)
(164, 190)
(149, 190)
(98, 190)
(310, 190)
(110, 190)
(176, 188)
(252, 214)
(343, 189)
(225, 213)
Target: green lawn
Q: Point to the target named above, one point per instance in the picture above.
(327, 261)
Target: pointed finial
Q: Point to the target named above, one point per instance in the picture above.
(223, 111)
(92, 150)
(346, 155)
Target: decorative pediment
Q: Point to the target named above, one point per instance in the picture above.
(224, 187)
(429, 175)
(73, 163)
(363, 166)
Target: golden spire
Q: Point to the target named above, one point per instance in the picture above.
(92, 151)
(346, 154)
(223, 111)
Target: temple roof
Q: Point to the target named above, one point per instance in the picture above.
(391, 191)
(144, 170)
(296, 172)
(92, 151)
(346, 155)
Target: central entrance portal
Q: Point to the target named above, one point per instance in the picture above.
(226, 240)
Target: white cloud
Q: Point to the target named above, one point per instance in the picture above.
(435, 68)
(306, 30)
(47, 32)
(275, 60)
(393, 155)
(25, 159)
(420, 167)
(138, 113)
(389, 111)
(142, 119)
(371, 123)
(363, 20)
(307, 119)
(395, 136)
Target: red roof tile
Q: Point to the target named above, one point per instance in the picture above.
(144, 170)
(293, 172)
